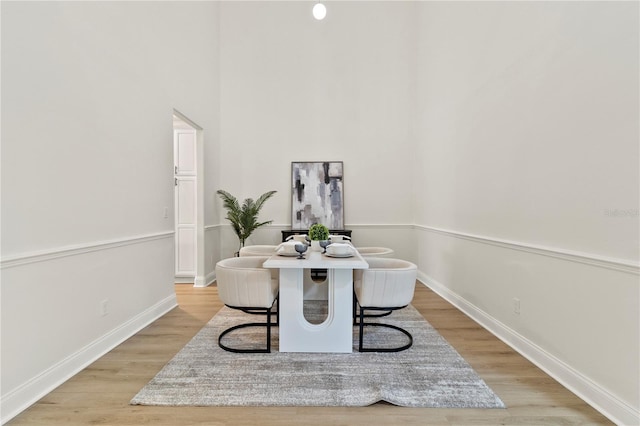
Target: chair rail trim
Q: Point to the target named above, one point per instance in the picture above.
(78, 249)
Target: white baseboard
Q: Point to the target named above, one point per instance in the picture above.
(599, 398)
(21, 398)
(208, 280)
(200, 281)
(197, 281)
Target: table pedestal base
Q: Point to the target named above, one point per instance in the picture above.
(335, 334)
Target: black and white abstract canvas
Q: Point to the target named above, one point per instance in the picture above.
(317, 194)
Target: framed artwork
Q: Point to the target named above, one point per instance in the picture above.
(317, 194)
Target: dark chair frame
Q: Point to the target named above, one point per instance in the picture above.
(253, 311)
(361, 323)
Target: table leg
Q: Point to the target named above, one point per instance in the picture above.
(335, 333)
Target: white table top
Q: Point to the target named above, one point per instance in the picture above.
(316, 260)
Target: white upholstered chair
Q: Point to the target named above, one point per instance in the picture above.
(300, 238)
(339, 238)
(312, 288)
(387, 285)
(374, 251)
(245, 285)
(258, 250)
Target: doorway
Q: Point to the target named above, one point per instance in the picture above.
(188, 201)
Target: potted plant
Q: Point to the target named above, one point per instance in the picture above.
(318, 232)
(244, 219)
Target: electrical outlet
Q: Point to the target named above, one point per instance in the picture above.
(166, 212)
(104, 307)
(516, 306)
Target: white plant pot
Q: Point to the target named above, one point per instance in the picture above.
(315, 246)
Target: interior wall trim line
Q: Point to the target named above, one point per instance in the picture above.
(621, 265)
(79, 249)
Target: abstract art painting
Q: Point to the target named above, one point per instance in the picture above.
(317, 194)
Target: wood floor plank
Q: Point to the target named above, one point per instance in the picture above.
(100, 394)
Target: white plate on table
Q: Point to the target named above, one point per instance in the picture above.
(339, 255)
(289, 254)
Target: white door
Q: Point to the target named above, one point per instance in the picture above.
(184, 142)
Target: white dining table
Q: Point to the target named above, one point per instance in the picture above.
(296, 334)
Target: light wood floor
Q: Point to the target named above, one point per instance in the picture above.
(100, 394)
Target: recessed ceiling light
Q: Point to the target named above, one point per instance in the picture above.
(319, 11)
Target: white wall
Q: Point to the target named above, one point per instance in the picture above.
(88, 92)
(493, 143)
(297, 89)
(527, 185)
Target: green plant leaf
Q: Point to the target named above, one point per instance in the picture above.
(318, 232)
(244, 219)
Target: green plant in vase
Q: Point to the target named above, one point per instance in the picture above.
(244, 218)
(318, 232)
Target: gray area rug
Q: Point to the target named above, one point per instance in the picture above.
(429, 374)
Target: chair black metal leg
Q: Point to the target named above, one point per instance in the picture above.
(268, 324)
(254, 311)
(361, 325)
(236, 327)
(355, 314)
(355, 311)
(384, 314)
(269, 330)
(355, 308)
